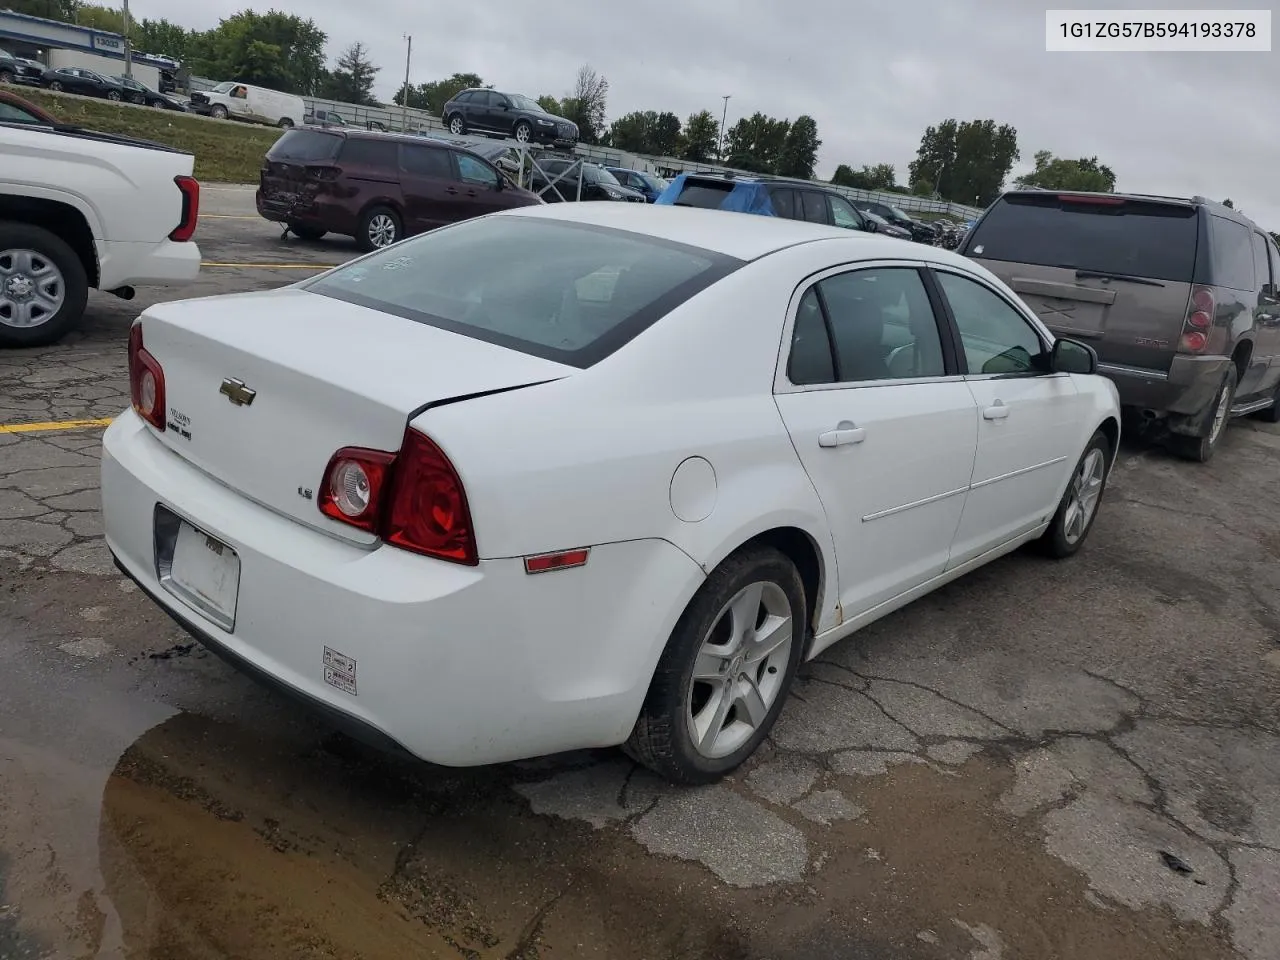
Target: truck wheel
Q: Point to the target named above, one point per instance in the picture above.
(285, 123)
(219, 112)
(1202, 449)
(43, 286)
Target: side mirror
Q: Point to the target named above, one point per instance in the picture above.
(501, 184)
(1072, 356)
(871, 226)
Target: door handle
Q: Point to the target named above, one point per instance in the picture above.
(450, 190)
(471, 193)
(845, 433)
(997, 411)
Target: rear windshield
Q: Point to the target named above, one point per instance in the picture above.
(305, 146)
(1136, 238)
(709, 196)
(568, 292)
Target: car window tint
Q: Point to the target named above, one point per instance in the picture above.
(425, 161)
(882, 325)
(810, 360)
(784, 203)
(369, 153)
(1261, 265)
(466, 96)
(10, 113)
(305, 146)
(996, 338)
(474, 170)
(842, 213)
(815, 206)
(1231, 253)
(1275, 264)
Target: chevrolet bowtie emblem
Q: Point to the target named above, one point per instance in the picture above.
(235, 391)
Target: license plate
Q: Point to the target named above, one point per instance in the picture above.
(205, 572)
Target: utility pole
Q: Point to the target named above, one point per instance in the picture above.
(720, 142)
(128, 52)
(404, 99)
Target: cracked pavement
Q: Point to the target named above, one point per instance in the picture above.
(1077, 759)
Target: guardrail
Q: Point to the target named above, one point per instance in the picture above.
(411, 120)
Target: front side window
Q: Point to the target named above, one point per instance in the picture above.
(474, 170)
(843, 214)
(996, 338)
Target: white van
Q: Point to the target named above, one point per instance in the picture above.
(244, 101)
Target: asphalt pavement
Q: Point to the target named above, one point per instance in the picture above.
(1044, 760)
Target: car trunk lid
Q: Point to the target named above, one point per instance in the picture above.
(296, 168)
(262, 389)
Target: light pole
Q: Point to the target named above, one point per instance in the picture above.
(404, 99)
(128, 53)
(720, 140)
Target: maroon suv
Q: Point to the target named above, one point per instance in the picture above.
(377, 187)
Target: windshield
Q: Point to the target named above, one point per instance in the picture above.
(567, 292)
(656, 183)
(599, 175)
(521, 102)
(899, 214)
(875, 216)
(224, 87)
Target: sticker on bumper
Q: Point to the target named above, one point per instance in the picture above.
(339, 671)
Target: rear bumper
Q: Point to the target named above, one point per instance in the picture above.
(1186, 388)
(457, 665)
(122, 263)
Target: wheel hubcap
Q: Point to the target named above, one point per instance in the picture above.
(522, 134)
(31, 288)
(739, 670)
(455, 126)
(1220, 415)
(1086, 488)
(382, 230)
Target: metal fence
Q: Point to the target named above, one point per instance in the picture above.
(411, 120)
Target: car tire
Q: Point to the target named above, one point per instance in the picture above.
(6, 76)
(285, 123)
(1078, 508)
(49, 252)
(1272, 413)
(457, 126)
(158, 104)
(522, 127)
(378, 222)
(1202, 449)
(113, 95)
(306, 233)
(218, 112)
(55, 86)
(727, 607)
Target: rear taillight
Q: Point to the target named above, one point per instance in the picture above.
(146, 380)
(1198, 322)
(190, 190)
(412, 499)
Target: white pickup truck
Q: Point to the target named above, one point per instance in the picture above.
(79, 210)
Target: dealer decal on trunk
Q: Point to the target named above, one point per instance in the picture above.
(339, 671)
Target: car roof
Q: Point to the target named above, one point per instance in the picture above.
(740, 235)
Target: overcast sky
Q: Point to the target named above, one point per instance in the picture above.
(873, 74)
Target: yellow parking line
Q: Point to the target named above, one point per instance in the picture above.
(273, 266)
(50, 425)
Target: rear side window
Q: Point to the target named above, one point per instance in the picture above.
(306, 146)
(370, 153)
(784, 203)
(568, 292)
(1137, 238)
(1231, 253)
(1261, 265)
(815, 206)
(706, 195)
(425, 161)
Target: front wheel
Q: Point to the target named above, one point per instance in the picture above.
(158, 104)
(523, 131)
(725, 673)
(6, 76)
(457, 126)
(1079, 505)
(219, 112)
(113, 95)
(285, 123)
(1202, 449)
(55, 86)
(43, 286)
(379, 227)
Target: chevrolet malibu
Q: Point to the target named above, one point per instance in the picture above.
(584, 475)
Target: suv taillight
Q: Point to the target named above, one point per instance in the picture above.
(146, 380)
(1198, 322)
(186, 228)
(412, 499)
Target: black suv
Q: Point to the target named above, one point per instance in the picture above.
(19, 70)
(920, 231)
(555, 180)
(509, 114)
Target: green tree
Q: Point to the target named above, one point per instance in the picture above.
(882, 176)
(352, 78)
(587, 104)
(967, 162)
(755, 143)
(1228, 204)
(98, 17)
(161, 37)
(800, 149)
(667, 137)
(434, 95)
(1058, 173)
(646, 131)
(64, 10)
(700, 135)
(551, 104)
(275, 50)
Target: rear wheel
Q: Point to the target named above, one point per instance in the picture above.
(55, 86)
(306, 233)
(1203, 448)
(724, 676)
(113, 95)
(158, 104)
(43, 286)
(379, 227)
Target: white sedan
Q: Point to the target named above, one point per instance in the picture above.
(591, 473)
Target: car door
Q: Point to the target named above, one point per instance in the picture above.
(785, 203)
(844, 215)
(1266, 317)
(480, 110)
(1271, 314)
(814, 205)
(1029, 417)
(889, 444)
(478, 186)
(429, 186)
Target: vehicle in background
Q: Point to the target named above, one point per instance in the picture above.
(1178, 297)
(325, 118)
(509, 114)
(642, 181)
(885, 227)
(243, 101)
(84, 82)
(14, 109)
(577, 475)
(766, 197)
(507, 159)
(20, 70)
(555, 180)
(80, 210)
(917, 230)
(376, 187)
(140, 93)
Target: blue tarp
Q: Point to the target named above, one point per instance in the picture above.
(747, 196)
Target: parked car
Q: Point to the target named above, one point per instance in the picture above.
(140, 93)
(1178, 297)
(885, 227)
(376, 187)
(555, 180)
(84, 82)
(14, 109)
(244, 101)
(81, 210)
(917, 230)
(437, 558)
(648, 184)
(766, 197)
(505, 158)
(510, 114)
(20, 70)
(324, 118)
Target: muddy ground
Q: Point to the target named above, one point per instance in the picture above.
(1075, 760)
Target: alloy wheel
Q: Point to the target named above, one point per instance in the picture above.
(32, 288)
(1086, 488)
(382, 230)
